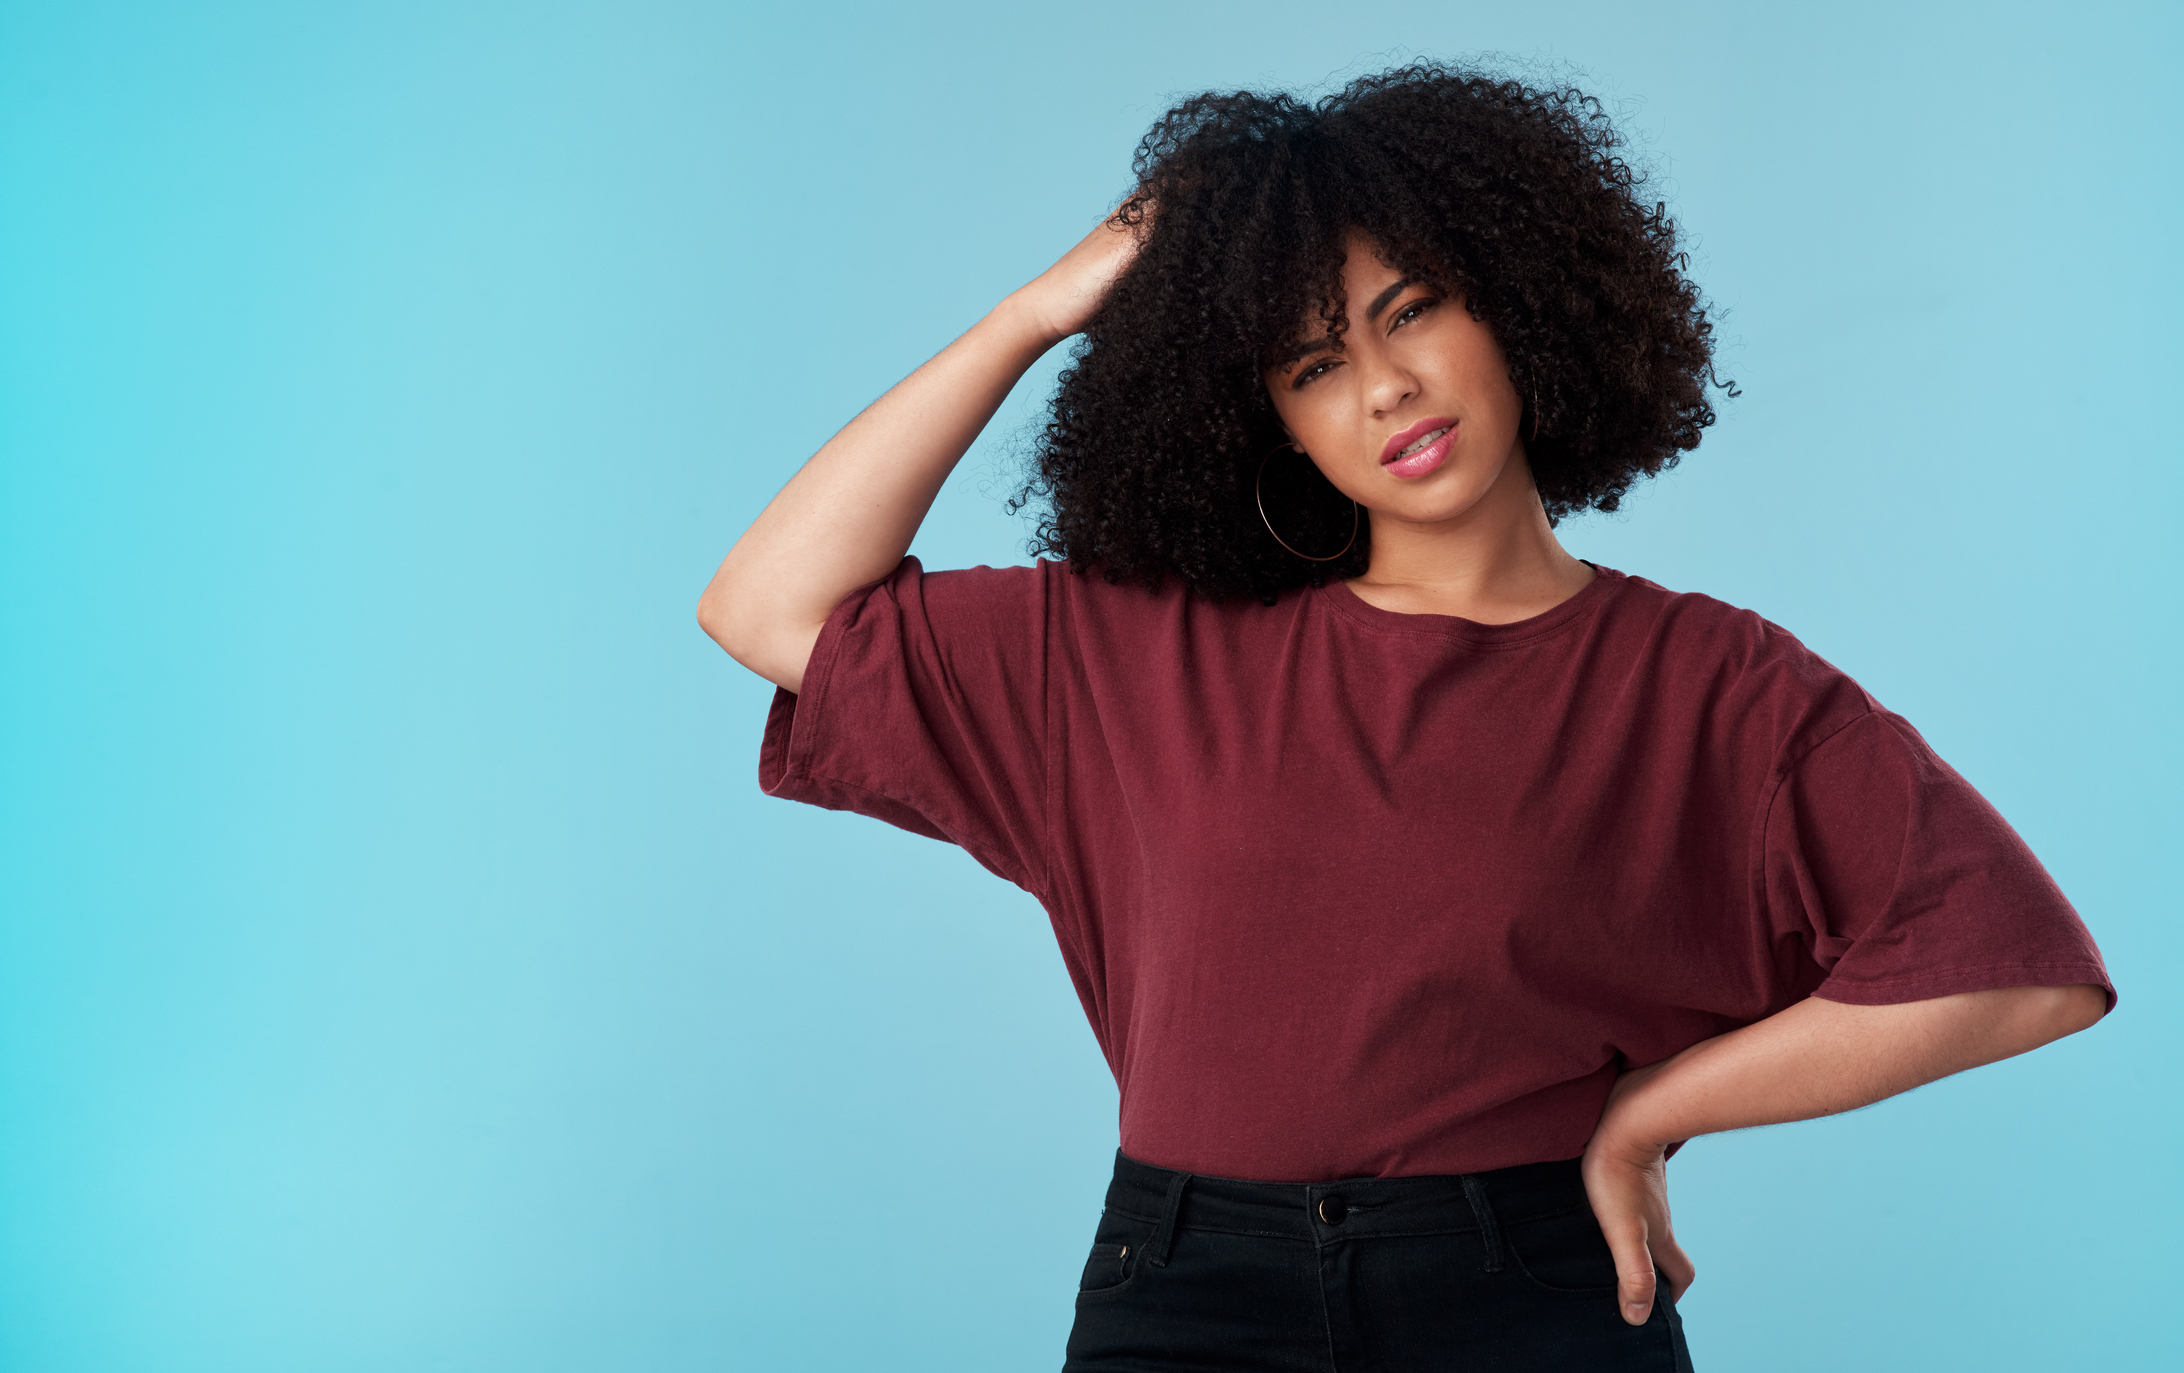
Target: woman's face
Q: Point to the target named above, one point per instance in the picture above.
(1415, 418)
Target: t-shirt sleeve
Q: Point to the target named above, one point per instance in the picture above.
(925, 705)
(1906, 882)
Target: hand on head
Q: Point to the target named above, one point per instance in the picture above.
(1063, 297)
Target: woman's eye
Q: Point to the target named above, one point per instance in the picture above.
(1312, 373)
(1411, 312)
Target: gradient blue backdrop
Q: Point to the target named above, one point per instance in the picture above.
(401, 969)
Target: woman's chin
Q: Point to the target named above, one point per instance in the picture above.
(1452, 503)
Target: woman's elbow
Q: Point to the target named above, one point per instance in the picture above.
(776, 651)
(2042, 1015)
(733, 618)
(714, 618)
(2077, 1007)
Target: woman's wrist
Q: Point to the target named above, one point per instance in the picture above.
(1024, 317)
(1638, 1118)
(1060, 300)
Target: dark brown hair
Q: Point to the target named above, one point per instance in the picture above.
(1515, 199)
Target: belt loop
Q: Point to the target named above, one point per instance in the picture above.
(1156, 1248)
(1489, 1228)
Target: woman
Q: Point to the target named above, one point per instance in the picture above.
(1425, 885)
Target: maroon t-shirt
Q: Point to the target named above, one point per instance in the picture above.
(1348, 892)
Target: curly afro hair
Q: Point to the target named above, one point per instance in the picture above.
(1513, 198)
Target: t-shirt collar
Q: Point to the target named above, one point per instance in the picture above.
(1338, 597)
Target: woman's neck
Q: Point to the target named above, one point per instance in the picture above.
(1497, 562)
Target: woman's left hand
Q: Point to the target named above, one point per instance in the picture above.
(1812, 1059)
(1626, 1179)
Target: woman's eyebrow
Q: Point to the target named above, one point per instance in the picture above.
(1306, 347)
(1380, 302)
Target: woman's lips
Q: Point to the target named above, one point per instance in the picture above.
(1426, 458)
(1398, 442)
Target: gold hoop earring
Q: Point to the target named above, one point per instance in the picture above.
(1260, 499)
(1535, 417)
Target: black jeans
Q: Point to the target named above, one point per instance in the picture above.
(1503, 1270)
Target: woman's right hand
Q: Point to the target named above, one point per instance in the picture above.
(1061, 300)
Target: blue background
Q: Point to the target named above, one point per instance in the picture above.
(401, 968)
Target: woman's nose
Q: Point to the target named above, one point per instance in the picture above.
(1388, 385)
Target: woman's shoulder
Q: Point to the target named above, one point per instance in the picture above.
(1736, 659)
(1695, 620)
(1049, 600)
(1088, 588)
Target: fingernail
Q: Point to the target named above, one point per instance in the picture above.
(1635, 1313)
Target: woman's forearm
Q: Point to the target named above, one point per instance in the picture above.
(1816, 1058)
(1821, 1057)
(848, 516)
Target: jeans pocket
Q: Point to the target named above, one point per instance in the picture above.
(1563, 1253)
(1116, 1249)
(1108, 1267)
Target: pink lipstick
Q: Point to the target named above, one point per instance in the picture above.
(1419, 449)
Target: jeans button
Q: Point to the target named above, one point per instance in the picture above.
(1333, 1211)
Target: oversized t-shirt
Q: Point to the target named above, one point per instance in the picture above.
(1347, 892)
